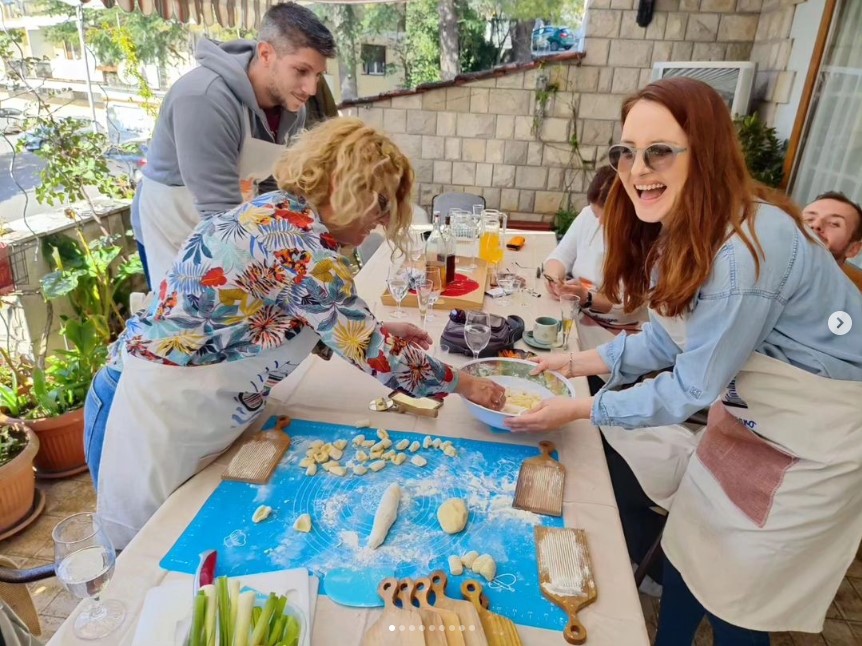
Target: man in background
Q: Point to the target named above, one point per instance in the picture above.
(222, 127)
(837, 221)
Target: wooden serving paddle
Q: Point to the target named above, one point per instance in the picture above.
(474, 634)
(540, 484)
(433, 628)
(566, 574)
(380, 634)
(499, 630)
(419, 593)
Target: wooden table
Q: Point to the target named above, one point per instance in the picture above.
(615, 619)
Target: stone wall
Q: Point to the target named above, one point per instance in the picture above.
(485, 136)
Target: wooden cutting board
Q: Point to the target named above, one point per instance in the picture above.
(380, 633)
(431, 621)
(465, 610)
(499, 630)
(470, 301)
(444, 617)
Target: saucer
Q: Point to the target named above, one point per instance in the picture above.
(532, 342)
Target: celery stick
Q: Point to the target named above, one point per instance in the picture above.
(198, 619)
(291, 632)
(212, 606)
(224, 611)
(255, 615)
(233, 586)
(242, 628)
(263, 625)
(276, 630)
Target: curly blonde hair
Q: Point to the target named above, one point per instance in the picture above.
(355, 169)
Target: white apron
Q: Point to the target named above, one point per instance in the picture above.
(167, 423)
(768, 516)
(658, 456)
(168, 213)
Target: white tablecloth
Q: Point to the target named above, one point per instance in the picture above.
(615, 619)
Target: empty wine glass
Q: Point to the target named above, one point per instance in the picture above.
(399, 284)
(477, 331)
(84, 558)
(434, 275)
(424, 289)
(416, 246)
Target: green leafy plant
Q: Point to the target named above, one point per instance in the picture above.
(13, 440)
(563, 220)
(764, 151)
(16, 399)
(95, 276)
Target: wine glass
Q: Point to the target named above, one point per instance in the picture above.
(424, 289)
(434, 275)
(506, 282)
(477, 331)
(84, 558)
(399, 284)
(571, 309)
(415, 246)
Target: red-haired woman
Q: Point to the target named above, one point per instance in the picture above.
(767, 515)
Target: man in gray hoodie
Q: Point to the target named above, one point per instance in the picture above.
(222, 127)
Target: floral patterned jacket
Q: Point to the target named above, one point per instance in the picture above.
(249, 280)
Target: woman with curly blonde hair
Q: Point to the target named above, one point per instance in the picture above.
(250, 295)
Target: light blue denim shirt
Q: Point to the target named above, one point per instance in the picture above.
(782, 313)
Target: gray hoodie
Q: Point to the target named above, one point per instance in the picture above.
(198, 135)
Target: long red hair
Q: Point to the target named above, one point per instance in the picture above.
(719, 195)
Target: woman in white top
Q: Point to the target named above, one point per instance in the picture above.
(581, 254)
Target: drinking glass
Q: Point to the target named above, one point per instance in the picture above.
(434, 275)
(399, 284)
(506, 281)
(465, 229)
(571, 309)
(84, 558)
(424, 289)
(477, 331)
(415, 246)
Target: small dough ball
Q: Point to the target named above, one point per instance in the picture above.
(382, 433)
(400, 458)
(311, 470)
(303, 523)
(427, 442)
(335, 453)
(389, 455)
(452, 515)
(469, 558)
(321, 456)
(376, 466)
(359, 439)
(378, 447)
(450, 451)
(402, 444)
(304, 463)
(359, 470)
(340, 444)
(455, 566)
(338, 471)
(415, 446)
(376, 455)
(486, 566)
(418, 461)
(362, 456)
(436, 442)
(329, 466)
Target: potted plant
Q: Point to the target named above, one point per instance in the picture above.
(562, 221)
(18, 447)
(764, 151)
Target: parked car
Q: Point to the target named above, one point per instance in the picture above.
(11, 121)
(128, 158)
(34, 139)
(553, 38)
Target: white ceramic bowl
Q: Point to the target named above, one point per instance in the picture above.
(514, 374)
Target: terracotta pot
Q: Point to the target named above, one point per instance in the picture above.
(62, 444)
(18, 484)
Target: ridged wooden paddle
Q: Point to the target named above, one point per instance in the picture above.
(421, 588)
(541, 481)
(474, 634)
(382, 632)
(566, 574)
(433, 628)
(499, 630)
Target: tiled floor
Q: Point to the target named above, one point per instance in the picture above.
(65, 497)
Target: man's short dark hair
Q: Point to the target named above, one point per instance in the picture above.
(840, 197)
(600, 186)
(288, 26)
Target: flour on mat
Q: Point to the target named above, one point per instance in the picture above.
(263, 493)
(333, 508)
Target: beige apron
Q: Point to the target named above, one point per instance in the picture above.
(658, 456)
(167, 423)
(768, 516)
(168, 213)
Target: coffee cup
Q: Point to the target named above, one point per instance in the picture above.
(546, 330)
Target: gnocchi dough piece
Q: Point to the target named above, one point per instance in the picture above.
(368, 443)
(261, 513)
(402, 444)
(376, 455)
(335, 453)
(304, 463)
(469, 558)
(321, 456)
(329, 466)
(452, 515)
(450, 451)
(316, 444)
(389, 455)
(340, 444)
(486, 566)
(427, 442)
(382, 434)
(338, 470)
(415, 446)
(378, 446)
(303, 523)
(418, 461)
(358, 440)
(386, 442)
(436, 442)
(359, 470)
(376, 466)
(400, 458)
(312, 469)
(310, 453)
(456, 568)
(362, 423)
(362, 456)
(386, 514)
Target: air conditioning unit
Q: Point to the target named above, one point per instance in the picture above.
(733, 80)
